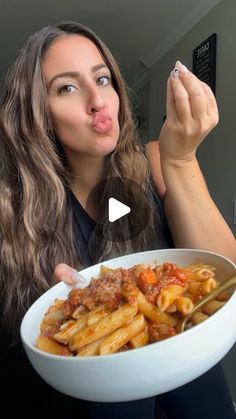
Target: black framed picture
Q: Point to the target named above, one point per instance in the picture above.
(204, 61)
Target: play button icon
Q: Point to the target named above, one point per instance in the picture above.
(122, 209)
(116, 209)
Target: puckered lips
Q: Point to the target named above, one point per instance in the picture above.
(102, 122)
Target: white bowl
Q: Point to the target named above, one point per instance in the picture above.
(143, 372)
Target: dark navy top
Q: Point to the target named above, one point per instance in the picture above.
(84, 226)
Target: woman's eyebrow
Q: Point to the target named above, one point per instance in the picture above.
(76, 74)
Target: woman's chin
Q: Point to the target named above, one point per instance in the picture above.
(105, 149)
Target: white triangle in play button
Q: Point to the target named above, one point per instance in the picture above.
(116, 209)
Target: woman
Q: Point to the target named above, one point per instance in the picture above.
(66, 125)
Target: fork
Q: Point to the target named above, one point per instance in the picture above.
(225, 285)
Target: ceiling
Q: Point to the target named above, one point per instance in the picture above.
(138, 32)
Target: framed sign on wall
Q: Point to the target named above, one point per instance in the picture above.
(204, 61)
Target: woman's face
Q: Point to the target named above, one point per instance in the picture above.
(82, 101)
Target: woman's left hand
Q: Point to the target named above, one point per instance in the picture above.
(191, 114)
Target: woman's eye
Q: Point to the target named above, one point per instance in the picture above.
(103, 81)
(68, 88)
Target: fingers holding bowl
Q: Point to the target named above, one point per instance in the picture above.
(65, 273)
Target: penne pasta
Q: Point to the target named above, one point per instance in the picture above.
(195, 287)
(196, 267)
(208, 286)
(52, 347)
(71, 328)
(212, 306)
(184, 305)
(102, 328)
(91, 349)
(128, 308)
(121, 336)
(198, 317)
(203, 273)
(168, 296)
(203, 287)
(224, 296)
(141, 339)
(97, 314)
(78, 311)
(54, 316)
(152, 312)
(171, 309)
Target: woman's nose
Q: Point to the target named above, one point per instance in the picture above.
(95, 100)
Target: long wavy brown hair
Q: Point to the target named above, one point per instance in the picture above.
(36, 223)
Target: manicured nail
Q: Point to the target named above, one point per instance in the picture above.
(77, 277)
(174, 73)
(181, 67)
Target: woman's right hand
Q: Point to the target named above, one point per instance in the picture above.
(191, 114)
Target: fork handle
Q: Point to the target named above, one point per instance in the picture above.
(226, 284)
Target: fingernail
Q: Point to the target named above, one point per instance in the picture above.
(174, 73)
(77, 277)
(181, 67)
